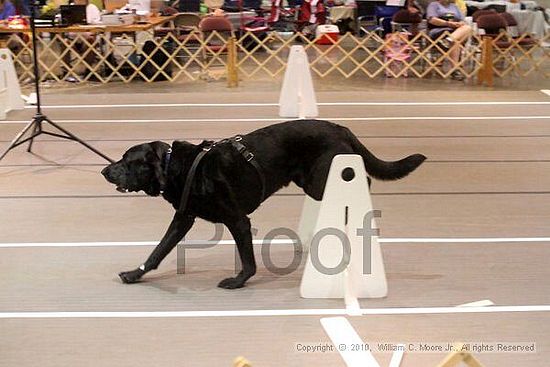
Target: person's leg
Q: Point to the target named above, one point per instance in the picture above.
(461, 33)
(458, 36)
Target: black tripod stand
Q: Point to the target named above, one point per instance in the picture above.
(39, 119)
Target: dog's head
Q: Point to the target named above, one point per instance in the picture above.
(141, 168)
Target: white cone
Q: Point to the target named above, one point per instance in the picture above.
(297, 97)
(10, 92)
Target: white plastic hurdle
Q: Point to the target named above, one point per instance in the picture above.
(342, 219)
(10, 92)
(3, 102)
(297, 98)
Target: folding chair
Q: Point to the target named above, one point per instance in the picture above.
(215, 33)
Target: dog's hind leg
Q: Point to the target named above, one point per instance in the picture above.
(241, 232)
(180, 225)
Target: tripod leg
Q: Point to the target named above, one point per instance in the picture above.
(37, 128)
(77, 139)
(17, 138)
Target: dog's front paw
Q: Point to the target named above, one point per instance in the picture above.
(231, 283)
(133, 276)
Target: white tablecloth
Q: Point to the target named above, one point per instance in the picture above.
(530, 22)
(529, 4)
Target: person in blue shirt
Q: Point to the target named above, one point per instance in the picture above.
(444, 15)
(6, 9)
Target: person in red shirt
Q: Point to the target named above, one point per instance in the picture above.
(312, 13)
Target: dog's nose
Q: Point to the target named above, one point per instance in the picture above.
(105, 171)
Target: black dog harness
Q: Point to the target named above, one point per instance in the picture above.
(249, 157)
(236, 142)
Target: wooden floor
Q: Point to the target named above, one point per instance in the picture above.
(487, 176)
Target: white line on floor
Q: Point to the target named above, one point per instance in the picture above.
(341, 333)
(465, 240)
(268, 104)
(274, 242)
(266, 313)
(137, 243)
(545, 91)
(216, 120)
(482, 303)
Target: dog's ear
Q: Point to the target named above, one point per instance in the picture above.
(155, 157)
(159, 148)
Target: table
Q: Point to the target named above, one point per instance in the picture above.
(56, 44)
(95, 28)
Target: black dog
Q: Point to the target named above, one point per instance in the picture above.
(236, 175)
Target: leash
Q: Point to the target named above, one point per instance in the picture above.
(240, 147)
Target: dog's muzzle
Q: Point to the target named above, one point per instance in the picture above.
(106, 172)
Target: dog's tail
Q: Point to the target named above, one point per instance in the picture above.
(384, 170)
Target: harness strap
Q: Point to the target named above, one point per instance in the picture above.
(249, 157)
(189, 179)
(241, 148)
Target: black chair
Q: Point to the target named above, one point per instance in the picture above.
(404, 20)
(366, 15)
(189, 6)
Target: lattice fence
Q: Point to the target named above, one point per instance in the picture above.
(520, 56)
(104, 57)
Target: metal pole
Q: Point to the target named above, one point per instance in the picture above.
(34, 6)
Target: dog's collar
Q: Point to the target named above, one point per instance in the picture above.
(165, 164)
(166, 161)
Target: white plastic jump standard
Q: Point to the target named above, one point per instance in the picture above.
(297, 97)
(10, 92)
(345, 214)
(3, 102)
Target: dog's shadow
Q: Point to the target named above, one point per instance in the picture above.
(207, 281)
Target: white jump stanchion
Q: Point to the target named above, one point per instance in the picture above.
(11, 97)
(297, 97)
(345, 210)
(3, 102)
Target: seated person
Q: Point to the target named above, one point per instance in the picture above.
(312, 12)
(444, 15)
(423, 5)
(6, 10)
